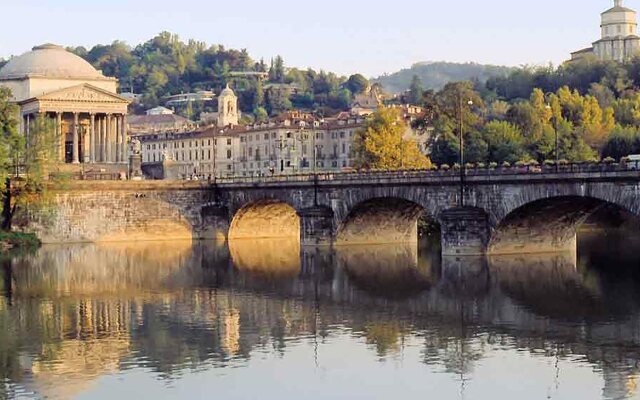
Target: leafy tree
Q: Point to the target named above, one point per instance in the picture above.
(415, 91)
(505, 142)
(380, 144)
(357, 84)
(622, 142)
(277, 100)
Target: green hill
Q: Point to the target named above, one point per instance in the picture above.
(435, 75)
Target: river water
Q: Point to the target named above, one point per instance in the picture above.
(269, 320)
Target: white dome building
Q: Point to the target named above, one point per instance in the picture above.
(619, 40)
(89, 115)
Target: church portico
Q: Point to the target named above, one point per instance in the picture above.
(84, 110)
(89, 123)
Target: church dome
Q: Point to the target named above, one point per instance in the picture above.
(49, 61)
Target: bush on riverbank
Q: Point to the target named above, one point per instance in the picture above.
(10, 240)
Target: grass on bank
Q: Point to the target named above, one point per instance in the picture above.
(18, 240)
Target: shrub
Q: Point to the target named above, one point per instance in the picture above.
(481, 165)
(506, 164)
(549, 163)
(493, 165)
(445, 167)
(456, 166)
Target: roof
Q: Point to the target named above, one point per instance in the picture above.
(587, 50)
(618, 9)
(156, 119)
(50, 61)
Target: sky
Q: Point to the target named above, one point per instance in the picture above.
(344, 36)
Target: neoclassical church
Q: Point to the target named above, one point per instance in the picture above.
(89, 115)
(619, 39)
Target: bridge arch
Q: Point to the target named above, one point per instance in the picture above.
(380, 220)
(265, 219)
(549, 224)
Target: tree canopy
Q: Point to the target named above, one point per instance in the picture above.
(381, 144)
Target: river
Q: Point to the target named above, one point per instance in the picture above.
(269, 320)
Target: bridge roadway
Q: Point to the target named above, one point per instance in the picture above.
(504, 211)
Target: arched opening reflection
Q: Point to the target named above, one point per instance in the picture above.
(276, 258)
(393, 271)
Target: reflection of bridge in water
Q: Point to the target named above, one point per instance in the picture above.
(172, 305)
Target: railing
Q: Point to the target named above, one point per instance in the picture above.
(565, 171)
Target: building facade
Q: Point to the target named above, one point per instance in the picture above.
(88, 114)
(619, 40)
(293, 143)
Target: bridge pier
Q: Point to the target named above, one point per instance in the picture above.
(465, 232)
(214, 223)
(316, 226)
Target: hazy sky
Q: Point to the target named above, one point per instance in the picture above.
(345, 36)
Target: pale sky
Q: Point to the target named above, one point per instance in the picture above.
(344, 36)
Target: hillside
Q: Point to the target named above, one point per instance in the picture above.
(435, 75)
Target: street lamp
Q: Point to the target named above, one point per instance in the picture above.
(555, 129)
(461, 137)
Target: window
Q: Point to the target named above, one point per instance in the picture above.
(209, 154)
(228, 154)
(266, 136)
(243, 139)
(344, 148)
(342, 135)
(183, 145)
(209, 143)
(333, 135)
(273, 135)
(334, 164)
(288, 135)
(228, 142)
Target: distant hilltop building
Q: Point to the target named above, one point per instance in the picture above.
(619, 39)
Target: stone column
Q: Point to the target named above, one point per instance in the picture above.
(107, 141)
(123, 133)
(61, 138)
(102, 138)
(76, 140)
(116, 136)
(316, 226)
(86, 145)
(92, 139)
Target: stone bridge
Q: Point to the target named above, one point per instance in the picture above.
(498, 213)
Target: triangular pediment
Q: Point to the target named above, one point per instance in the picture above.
(81, 93)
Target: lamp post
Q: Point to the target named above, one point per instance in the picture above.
(461, 137)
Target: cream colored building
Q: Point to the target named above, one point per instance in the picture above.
(88, 113)
(619, 40)
(293, 143)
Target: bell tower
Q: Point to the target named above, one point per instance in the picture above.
(228, 114)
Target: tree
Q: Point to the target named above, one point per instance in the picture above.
(622, 142)
(415, 91)
(277, 100)
(506, 142)
(380, 144)
(357, 84)
(10, 138)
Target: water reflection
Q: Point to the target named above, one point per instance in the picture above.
(71, 316)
